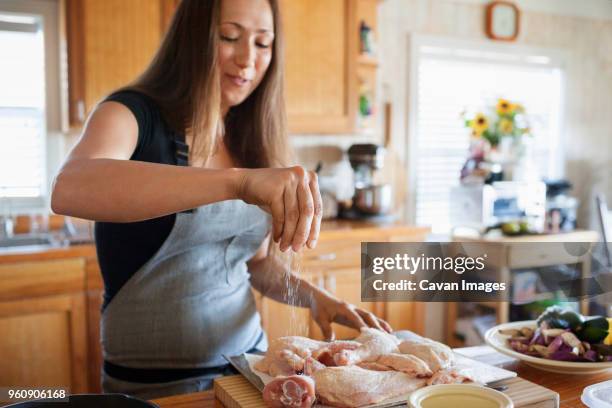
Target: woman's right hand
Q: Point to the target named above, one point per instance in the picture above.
(291, 195)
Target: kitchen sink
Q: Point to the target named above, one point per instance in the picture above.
(26, 240)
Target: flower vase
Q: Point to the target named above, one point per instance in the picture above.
(524, 167)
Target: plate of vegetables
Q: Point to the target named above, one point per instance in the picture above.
(560, 340)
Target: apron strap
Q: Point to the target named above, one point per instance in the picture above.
(181, 154)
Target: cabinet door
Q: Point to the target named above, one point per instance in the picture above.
(168, 9)
(320, 89)
(279, 319)
(407, 315)
(43, 324)
(44, 342)
(110, 42)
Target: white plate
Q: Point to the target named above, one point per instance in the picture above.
(499, 342)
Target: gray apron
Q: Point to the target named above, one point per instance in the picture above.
(191, 302)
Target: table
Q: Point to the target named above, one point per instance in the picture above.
(568, 386)
(509, 253)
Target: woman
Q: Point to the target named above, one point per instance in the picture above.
(184, 173)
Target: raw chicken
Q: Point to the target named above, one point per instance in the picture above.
(374, 343)
(296, 391)
(448, 377)
(286, 355)
(352, 386)
(437, 355)
(405, 363)
(327, 354)
(373, 368)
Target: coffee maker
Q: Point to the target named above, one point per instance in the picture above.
(371, 198)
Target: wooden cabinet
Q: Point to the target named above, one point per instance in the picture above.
(110, 42)
(279, 319)
(94, 292)
(321, 38)
(326, 72)
(43, 324)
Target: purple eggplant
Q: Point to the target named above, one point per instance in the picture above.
(565, 354)
(537, 338)
(556, 344)
(591, 355)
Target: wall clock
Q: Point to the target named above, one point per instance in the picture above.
(503, 20)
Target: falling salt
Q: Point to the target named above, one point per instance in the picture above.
(295, 326)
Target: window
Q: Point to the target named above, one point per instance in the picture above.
(22, 107)
(33, 100)
(448, 77)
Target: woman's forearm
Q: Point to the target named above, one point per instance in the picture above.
(273, 278)
(128, 191)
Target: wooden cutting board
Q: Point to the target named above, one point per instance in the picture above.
(236, 392)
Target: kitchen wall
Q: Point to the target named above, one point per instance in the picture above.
(582, 30)
(583, 33)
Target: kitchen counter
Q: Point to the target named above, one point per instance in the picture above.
(568, 386)
(330, 229)
(42, 288)
(45, 253)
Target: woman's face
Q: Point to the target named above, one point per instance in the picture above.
(245, 47)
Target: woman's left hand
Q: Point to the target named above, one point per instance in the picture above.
(327, 309)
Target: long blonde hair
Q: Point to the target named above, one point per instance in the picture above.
(184, 80)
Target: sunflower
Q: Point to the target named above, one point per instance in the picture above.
(506, 126)
(479, 124)
(505, 107)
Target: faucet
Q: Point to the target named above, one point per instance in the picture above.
(7, 224)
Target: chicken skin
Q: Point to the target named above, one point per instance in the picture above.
(374, 367)
(352, 386)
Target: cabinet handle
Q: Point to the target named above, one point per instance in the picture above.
(326, 257)
(81, 110)
(330, 285)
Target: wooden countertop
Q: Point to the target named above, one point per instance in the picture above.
(42, 253)
(330, 229)
(568, 386)
(570, 236)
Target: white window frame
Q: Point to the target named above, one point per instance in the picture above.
(56, 94)
(557, 58)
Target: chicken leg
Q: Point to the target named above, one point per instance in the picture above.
(374, 343)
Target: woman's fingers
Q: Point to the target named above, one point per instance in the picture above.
(385, 325)
(292, 216)
(349, 317)
(370, 319)
(306, 207)
(278, 218)
(326, 328)
(318, 210)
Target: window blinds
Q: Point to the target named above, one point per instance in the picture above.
(450, 80)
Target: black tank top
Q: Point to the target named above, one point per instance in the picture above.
(123, 248)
